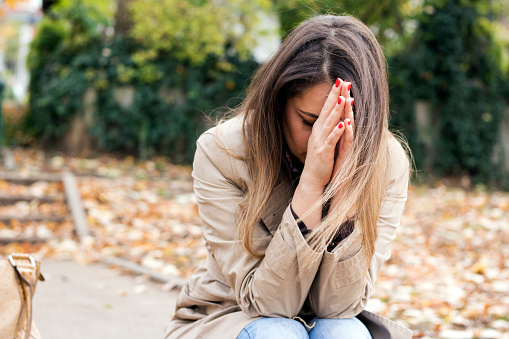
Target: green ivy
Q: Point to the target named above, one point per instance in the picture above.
(449, 65)
(70, 55)
(451, 61)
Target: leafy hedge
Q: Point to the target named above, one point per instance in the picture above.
(71, 54)
(450, 63)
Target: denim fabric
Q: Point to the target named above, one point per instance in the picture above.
(283, 328)
(351, 328)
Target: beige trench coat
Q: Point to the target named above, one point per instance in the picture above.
(232, 289)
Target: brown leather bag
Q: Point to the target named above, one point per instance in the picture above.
(18, 277)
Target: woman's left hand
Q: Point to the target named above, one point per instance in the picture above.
(345, 143)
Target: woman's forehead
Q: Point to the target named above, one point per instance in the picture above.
(313, 99)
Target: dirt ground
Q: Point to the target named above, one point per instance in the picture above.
(94, 301)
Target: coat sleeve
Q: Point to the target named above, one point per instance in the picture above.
(278, 284)
(339, 290)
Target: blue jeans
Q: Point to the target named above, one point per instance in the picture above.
(283, 328)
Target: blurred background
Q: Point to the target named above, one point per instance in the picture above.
(116, 92)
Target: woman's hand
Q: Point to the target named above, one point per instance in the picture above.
(346, 141)
(323, 149)
(321, 154)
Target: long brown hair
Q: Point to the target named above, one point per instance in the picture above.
(318, 51)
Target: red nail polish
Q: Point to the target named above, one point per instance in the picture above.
(352, 102)
(337, 82)
(349, 122)
(349, 86)
(339, 101)
(340, 125)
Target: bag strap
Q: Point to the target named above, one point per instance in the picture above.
(28, 271)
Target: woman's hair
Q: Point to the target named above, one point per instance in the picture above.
(320, 50)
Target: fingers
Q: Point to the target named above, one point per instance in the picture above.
(335, 111)
(347, 140)
(331, 100)
(334, 136)
(345, 89)
(345, 92)
(334, 117)
(348, 112)
(346, 143)
(342, 111)
(348, 137)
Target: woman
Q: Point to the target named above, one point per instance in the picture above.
(300, 194)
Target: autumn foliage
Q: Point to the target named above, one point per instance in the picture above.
(8, 5)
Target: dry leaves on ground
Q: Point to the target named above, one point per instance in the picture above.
(448, 275)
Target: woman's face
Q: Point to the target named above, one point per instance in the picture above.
(300, 113)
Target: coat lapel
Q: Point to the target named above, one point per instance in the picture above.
(278, 202)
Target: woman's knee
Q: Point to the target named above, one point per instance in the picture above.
(351, 328)
(274, 328)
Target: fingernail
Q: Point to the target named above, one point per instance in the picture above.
(348, 122)
(349, 86)
(341, 125)
(337, 82)
(339, 101)
(352, 102)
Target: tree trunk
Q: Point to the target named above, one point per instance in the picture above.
(123, 21)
